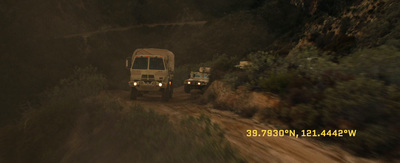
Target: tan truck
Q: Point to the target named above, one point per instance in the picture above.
(197, 80)
(151, 70)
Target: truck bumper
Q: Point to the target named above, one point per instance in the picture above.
(153, 86)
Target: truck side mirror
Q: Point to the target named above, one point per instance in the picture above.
(128, 62)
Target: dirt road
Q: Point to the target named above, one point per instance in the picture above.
(254, 149)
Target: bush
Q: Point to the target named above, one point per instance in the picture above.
(380, 63)
(221, 65)
(310, 61)
(368, 106)
(361, 92)
(386, 27)
(263, 62)
(278, 84)
(236, 78)
(305, 116)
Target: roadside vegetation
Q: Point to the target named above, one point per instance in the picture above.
(318, 91)
(75, 122)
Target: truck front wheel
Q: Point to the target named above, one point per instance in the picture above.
(166, 94)
(134, 94)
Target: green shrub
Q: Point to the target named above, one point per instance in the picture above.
(310, 61)
(305, 116)
(385, 27)
(376, 140)
(368, 106)
(221, 65)
(277, 83)
(236, 78)
(262, 61)
(381, 63)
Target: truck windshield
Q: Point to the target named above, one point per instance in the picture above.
(156, 64)
(140, 63)
(196, 75)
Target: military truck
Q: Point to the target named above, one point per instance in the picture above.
(197, 80)
(151, 70)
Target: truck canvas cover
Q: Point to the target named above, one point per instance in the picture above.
(161, 52)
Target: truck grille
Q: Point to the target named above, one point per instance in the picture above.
(148, 77)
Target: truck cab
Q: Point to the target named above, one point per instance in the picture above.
(151, 70)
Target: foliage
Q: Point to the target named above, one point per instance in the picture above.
(221, 65)
(262, 62)
(277, 83)
(368, 106)
(386, 26)
(305, 116)
(359, 92)
(236, 78)
(381, 63)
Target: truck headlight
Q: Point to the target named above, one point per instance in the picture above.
(135, 83)
(188, 82)
(198, 83)
(160, 84)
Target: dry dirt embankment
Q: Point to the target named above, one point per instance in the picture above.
(254, 149)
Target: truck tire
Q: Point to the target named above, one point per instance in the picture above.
(166, 94)
(186, 89)
(134, 94)
(171, 91)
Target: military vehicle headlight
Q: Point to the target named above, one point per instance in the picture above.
(198, 83)
(160, 84)
(188, 82)
(135, 83)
